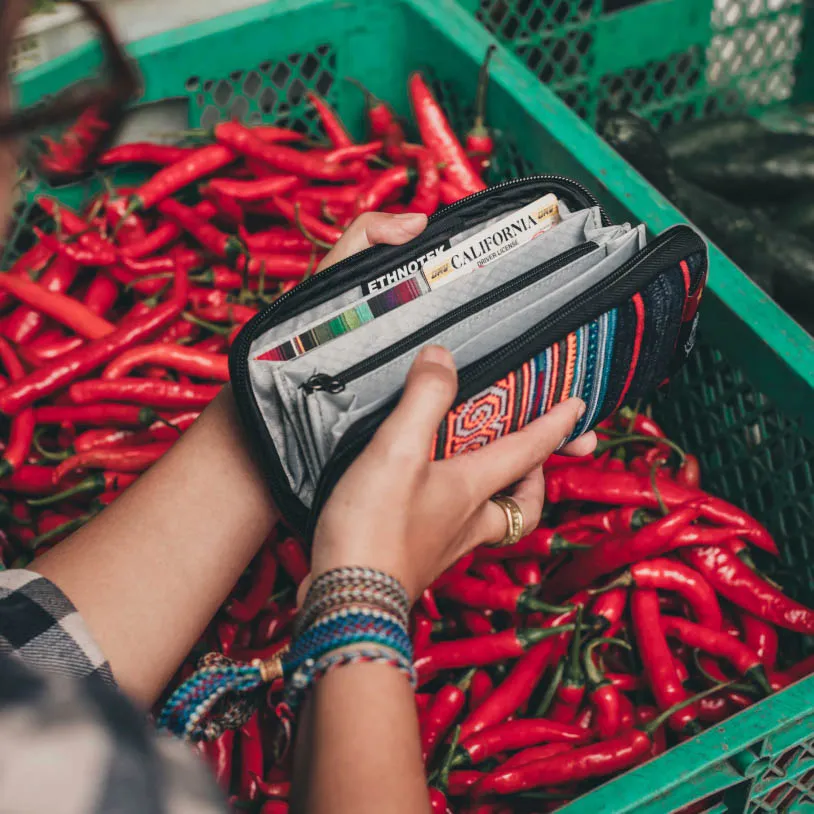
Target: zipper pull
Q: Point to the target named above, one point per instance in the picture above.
(322, 381)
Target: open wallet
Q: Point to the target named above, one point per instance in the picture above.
(536, 293)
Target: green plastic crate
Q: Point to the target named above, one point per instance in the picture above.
(745, 404)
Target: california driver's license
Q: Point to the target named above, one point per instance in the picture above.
(439, 266)
(496, 241)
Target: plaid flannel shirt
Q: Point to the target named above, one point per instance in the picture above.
(69, 741)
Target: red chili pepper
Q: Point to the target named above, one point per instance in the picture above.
(525, 572)
(110, 436)
(120, 459)
(275, 789)
(161, 237)
(478, 593)
(532, 754)
(442, 713)
(476, 622)
(518, 734)
(570, 691)
(422, 633)
(668, 575)
(219, 243)
(439, 137)
(264, 574)
(381, 187)
(277, 239)
(101, 295)
(797, 671)
(541, 543)
(479, 651)
(383, 124)
(427, 195)
(28, 265)
(646, 714)
(100, 254)
(761, 637)
(689, 473)
(167, 181)
(65, 310)
(293, 560)
(625, 488)
(331, 122)
(29, 480)
(259, 189)
(60, 372)
(25, 322)
(718, 644)
(617, 551)
(354, 152)
(251, 755)
(176, 357)
(480, 689)
(609, 608)
(94, 415)
(438, 800)
(149, 392)
(145, 152)
(738, 583)
(218, 754)
(276, 266)
(284, 159)
(493, 572)
(516, 689)
(604, 696)
(608, 757)
(427, 602)
(93, 485)
(658, 663)
(479, 142)
(21, 433)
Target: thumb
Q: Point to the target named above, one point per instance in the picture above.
(428, 394)
(373, 228)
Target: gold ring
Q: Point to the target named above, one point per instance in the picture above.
(514, 520)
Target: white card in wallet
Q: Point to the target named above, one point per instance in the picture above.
(495, 241)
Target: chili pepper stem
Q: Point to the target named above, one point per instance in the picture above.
(622, 581)
(65, 528)
(480, 94)
(651, 726)
(442, 782)
(622, 439)
(93, 484)
(592, 672)
(44, 453)
(301, 226)
(528, 603)
(551, 690)
(202, 323)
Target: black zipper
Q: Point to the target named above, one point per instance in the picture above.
(475, 377)
(338, 382)
(291, 507)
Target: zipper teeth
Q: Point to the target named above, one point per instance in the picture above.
(462, 312)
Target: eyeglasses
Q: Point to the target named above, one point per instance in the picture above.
(93, 108)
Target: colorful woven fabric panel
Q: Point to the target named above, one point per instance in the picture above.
(604, 362)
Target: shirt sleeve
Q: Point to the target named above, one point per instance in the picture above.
(40, 626)
(80, 747)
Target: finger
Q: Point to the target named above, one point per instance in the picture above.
(371, 229)
(584, 445)
(490, 524)
(428, 395)
(501, 463)
(302, 590)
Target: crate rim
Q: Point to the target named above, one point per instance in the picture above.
(790, 345)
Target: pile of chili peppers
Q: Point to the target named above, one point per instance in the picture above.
(545, 668)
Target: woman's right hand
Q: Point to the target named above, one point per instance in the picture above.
(400, 512)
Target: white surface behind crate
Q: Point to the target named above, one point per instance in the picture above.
(46, 36)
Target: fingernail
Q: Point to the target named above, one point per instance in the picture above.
(582, 408)
(436, 355)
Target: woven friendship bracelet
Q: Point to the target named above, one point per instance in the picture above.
(355, 577)
(346, 597)
(343, 630)
(312, 670)
(356, 608)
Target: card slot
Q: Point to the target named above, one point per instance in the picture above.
(586, 220)
(373, 337)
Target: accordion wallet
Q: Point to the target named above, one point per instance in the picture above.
(586, 308)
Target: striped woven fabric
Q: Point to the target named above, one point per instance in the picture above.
(605, 362)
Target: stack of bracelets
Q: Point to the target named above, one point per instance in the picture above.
(350, 615)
